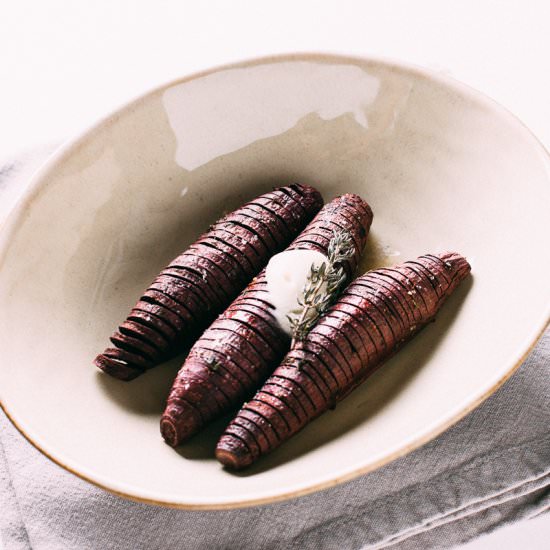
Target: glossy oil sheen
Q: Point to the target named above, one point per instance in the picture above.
(443, 168)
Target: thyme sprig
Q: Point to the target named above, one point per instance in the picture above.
(322, 286)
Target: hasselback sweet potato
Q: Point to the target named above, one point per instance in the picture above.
(373, 317)
(202, 281)
(241, 348)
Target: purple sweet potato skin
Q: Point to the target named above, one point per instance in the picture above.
(202, 281)
(372, 319)
(244, 344)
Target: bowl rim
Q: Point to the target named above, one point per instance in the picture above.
(70, 146)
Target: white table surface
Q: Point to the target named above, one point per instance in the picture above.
(63, 64)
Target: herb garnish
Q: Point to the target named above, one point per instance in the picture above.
(212, 362)
(322, 286)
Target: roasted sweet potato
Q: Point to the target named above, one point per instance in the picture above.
(241, 348)
(202, 281)
(371, 320)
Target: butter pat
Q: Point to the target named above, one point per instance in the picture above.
(286, 275)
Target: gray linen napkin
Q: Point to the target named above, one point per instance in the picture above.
(491, 468)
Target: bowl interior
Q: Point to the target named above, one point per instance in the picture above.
(442, 167)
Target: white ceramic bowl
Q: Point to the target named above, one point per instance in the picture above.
(443, 168)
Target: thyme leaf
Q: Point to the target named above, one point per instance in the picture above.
(212, 362)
